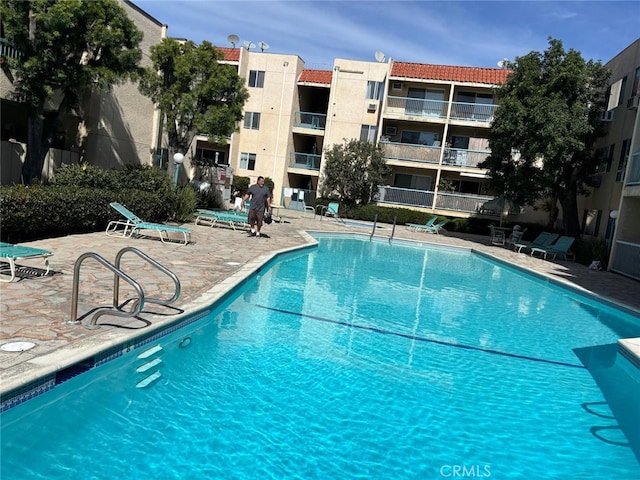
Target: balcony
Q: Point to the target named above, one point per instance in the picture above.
(457, 157)
(474, 112)
(416, 107)
(410, 152)
(7, 50)
(633, 177)
(313, 121)
(464, 158)
(305, 161)
(454, 202)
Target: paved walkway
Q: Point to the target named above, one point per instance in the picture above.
(36, 309)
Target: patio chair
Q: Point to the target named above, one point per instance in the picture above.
(559, 248)
(545, 239)
(516, 236)
(331, 210)
(134, 225)
(222, 218)
(10, 253)
(417, 227)
(436, 227)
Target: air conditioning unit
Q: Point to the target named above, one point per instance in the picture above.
(372, 107)
(391, 131)
(396, 86)
(632, 103)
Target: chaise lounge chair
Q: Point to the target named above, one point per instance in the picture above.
(227, 218)
(417, 227)
(10, 253)
(559, 248)
(436, 227)
(134, 225)
(545, 239)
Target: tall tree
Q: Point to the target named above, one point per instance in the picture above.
(196, 93)
(353, 171)
(544, 130)
(67, 46)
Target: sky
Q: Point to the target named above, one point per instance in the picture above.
(472, 33)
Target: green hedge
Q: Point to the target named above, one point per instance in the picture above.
(78, 201)
(38, 211)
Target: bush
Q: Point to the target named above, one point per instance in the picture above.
(186, 202)
(78, 201)
(589, 249)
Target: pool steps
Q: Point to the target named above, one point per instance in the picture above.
(148, 365)
(143, 368)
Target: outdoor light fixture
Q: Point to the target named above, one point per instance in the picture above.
(178, 158)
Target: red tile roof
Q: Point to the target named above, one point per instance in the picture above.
(489, 76)
(316, 76)
(230, 54)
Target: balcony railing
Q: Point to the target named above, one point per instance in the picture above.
(7, 50)
(314, 121)
(429, 154)
(418, 107)
(457, 202)
(634, 170)
(475, 112)
(464, 158)
(410, 152)
(627, 259)
(308, 161)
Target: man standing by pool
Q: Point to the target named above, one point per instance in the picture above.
(260, 199)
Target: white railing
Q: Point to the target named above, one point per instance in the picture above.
(409, 152)
(464, 158)
(459, 202)
(456, 202)
(475, 112)
(627, 259)
(417, 107)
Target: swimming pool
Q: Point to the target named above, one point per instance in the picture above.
(357, 359)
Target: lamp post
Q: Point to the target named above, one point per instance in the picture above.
(178, 158)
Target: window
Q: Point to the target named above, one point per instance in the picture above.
(415, 182)
(368, 133)
(252, 120)
(210, 158)
(162, 158)
(396, 86)
(624, 85)
(591, 222)
(248, 161)
(606, 159)
(635, 90)
(256, 78)
(419, 138)
(622, 161)
(374, 90)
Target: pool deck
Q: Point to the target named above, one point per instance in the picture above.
(36, 308)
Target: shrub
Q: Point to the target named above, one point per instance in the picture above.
(589, 249)
(186, 202)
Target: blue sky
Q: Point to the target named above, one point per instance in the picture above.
(470, 33)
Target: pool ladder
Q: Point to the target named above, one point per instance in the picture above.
(115, 310)
(375, 222)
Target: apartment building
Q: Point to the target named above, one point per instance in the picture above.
(432, 122)
(118, 127)
(612, 211)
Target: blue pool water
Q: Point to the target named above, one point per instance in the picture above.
(355, 360)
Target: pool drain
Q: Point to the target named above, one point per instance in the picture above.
(17, 346)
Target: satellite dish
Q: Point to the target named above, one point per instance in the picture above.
(503, 63)
(233, 39)
(249, 45)
(263, 46)
(379, 56)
